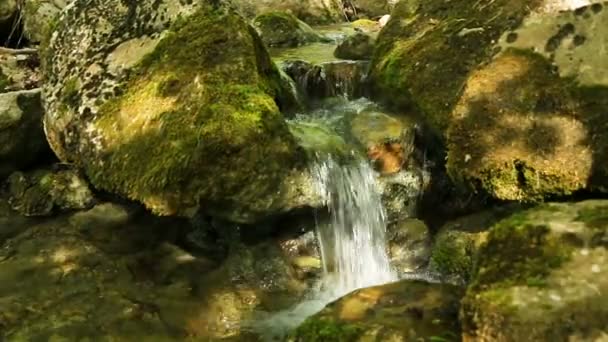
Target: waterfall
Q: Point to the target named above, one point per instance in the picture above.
(353, 245)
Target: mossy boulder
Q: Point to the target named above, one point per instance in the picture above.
(542, 275)
(22, 140)
(180, 112)
(359, 46)
(278, 29)
(313, 12)
(511, 94)
(39, 17)
(403, 311)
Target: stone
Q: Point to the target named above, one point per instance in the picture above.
(409, 245)
(40, 192)
(403, 311)
(284, 30)
(19, 72)
(38, 17)
(542, 275)
(9, 10)
(313, 12)
(356, 47)
(22, 140)
(151, 119)
(371, 8)
(516, 103)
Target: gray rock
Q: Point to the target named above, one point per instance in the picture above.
(38, 17)
(359, 46)
(22, 139)
(284, 30)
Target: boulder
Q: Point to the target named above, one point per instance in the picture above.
(402, 311)
(371, 8)
(358, 47)
(313, 12)
(38, 17)
(542, 275)
(278, 29)
(154, 111)
(516, 100)
(22, 140)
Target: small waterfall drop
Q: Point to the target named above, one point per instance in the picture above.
(353, 246)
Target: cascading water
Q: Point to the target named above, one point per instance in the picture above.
(353, 245)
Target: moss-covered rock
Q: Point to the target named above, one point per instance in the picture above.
(279, 29)
(358, 47)
(39, 17)
(166, 115)
(518, 125)
(542, 275)
(22, 140)
(403, 311)
(425, 53)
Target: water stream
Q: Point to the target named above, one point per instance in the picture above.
(352, 243)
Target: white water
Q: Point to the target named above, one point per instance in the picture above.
(353, 244)
(353, 247)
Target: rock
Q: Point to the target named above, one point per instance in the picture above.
(284, 30)
(313, 12)
(358, 47)
(103, 215)
(19, 72)
(401, 192)
(22, 140)
(152, 118)
(365, 25)
(331, 79)
(319, 140)
(9, 10)
(542, 276)
(403, 311)
(40, 192)
(409, 245)
(38, 16)
(519, 124)
(388, 140)
(456, 245)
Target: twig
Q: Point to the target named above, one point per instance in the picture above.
(24, 51)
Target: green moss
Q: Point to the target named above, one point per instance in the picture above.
(206, 108)
(518, 252)
(453, 255)
(325, 330)
(70, 94)
(422, 61)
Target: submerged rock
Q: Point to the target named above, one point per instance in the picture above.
(284, 30)
(403, 311)
(22, 140)
(159, 112)
(357, 47)
(542, 276)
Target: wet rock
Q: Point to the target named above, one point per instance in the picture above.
(331, 79)
(284, 30)
(104, 215)
(116, 115)
(22, 139)
(542, 275)
(38, 16)
(357, 47)
(19, 72)
(318, 139)
(388, 140)
(409, 245)
(40, 192)
(403, 311)
(401, 192)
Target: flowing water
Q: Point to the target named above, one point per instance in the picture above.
(352, 243)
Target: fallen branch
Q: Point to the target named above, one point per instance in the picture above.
(25, 51)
